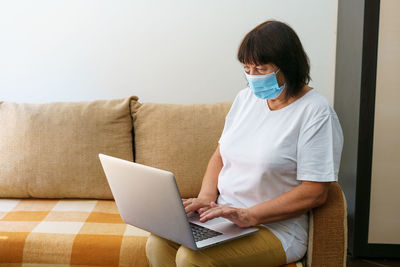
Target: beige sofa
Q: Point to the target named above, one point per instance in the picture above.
(56, 208)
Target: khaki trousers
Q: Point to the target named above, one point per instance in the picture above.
(262, 248)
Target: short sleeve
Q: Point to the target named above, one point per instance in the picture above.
(319, 149)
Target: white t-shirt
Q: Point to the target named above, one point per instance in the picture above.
(266, 153)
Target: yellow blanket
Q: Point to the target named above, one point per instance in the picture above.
(68, 233)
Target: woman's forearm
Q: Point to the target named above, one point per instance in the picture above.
(291, 204)
(209, 186)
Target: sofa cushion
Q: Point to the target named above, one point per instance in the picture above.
(178, 138)
(51, 150)
(73, 233)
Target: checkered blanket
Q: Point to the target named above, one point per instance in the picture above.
(37, 232)
(48, 232)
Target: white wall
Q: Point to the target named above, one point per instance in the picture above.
(176, 51)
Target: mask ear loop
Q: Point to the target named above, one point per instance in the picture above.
(284, 84)
(248, 85)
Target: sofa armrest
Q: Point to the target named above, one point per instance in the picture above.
(327, 245)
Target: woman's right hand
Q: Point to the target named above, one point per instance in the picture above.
(196, 204)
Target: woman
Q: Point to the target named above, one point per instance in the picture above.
(279, 150)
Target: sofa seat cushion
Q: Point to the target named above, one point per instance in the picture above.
(68, 232)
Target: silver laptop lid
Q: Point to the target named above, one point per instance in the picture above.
(148, 198)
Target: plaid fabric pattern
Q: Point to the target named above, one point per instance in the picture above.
(69, 232)
(40, 232)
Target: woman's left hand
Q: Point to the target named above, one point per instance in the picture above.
(240, 217)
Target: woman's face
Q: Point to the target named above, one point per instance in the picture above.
(252, 69)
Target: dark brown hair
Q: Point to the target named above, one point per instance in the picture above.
(274, 42)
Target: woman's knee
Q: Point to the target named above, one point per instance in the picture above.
(160, 252)
(153, 244)
(185, 257)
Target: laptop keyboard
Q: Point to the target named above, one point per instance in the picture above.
(201, 233)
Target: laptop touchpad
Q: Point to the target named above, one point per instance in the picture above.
(195, 217)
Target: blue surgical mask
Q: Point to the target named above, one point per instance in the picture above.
(265, 86)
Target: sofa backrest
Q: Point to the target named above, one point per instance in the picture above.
(178, 138)
(50, 150)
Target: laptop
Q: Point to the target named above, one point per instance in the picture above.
(149, 198)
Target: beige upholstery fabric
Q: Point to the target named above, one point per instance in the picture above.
(328, 231)
(178, 138)
(50, 150)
